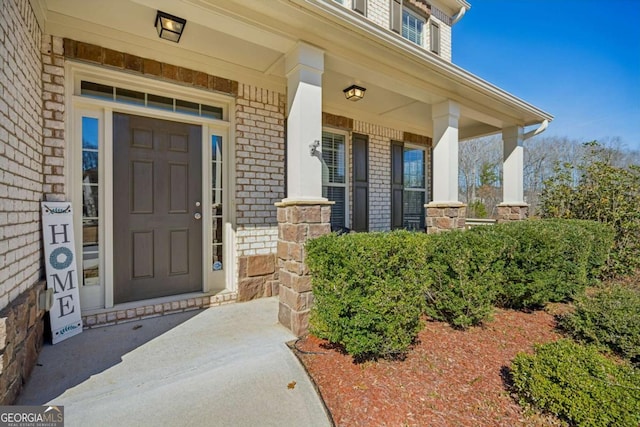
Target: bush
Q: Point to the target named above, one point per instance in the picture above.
(611, 318)
(602, 242)
(603, 193)
(550, 262)
(578, 384)
(369, 290)
(465, 271)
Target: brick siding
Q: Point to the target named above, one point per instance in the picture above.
(21, 154)
(260, 162)
(53, 114)
(21, 185)
(380, 138)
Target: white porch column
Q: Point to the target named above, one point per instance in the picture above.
(304, 68)
(445, 212)
(445, 152)
(513, 207)
(304, 214)
(513, 167)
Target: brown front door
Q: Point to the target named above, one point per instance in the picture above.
(157, 186)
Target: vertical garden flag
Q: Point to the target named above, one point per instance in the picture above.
(61, 269)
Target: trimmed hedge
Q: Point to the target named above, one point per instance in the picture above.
(369, 290)
(465, 272)
(611, 318)
(552, 261)
(578, 384)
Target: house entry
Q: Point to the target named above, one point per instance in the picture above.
(157, 208)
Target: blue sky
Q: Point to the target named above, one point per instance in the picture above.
(576, 59)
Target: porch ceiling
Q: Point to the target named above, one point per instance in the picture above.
(248, 40)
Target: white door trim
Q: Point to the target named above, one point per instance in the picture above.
(80, 106)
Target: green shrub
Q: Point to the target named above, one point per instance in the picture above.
(465, 271)
(610, 317)
(369, 290)
(578, 384)
(550, 262)
(602, 243)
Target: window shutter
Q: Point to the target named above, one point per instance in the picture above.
(397, 188)
(435, 38)
(360, 6)
(360, 220)
(396, 15)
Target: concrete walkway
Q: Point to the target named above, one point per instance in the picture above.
(224, 366)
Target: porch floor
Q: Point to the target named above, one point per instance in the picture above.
(223, 366)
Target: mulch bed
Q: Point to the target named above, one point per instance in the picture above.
(449, 378)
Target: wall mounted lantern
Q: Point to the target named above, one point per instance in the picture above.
(169, 27)
(354, 93)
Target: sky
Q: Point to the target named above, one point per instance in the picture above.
(578, 60)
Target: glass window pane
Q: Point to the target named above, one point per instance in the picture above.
(90, 200)
(187, 107)
(90, 133)
(161, 102)
(212, 112)
(96, 90)
(412, 27)
(413, 218)
(334, 158)
(338, 210)
(89, 167)
(414, 170)
(216, 147)
(90, 252)
(129, 96)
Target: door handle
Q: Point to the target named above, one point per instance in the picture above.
(197, 215)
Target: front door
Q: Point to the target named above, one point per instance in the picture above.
(157, 189)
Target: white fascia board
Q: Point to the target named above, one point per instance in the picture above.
(411, 54)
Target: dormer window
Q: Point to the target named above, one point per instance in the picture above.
(412, 26)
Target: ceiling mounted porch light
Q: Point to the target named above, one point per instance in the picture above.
(169, 27)
(354, 93)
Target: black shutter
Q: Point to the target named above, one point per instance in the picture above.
(360, 6)
(396, 16)
(397, 187)
(360, 221)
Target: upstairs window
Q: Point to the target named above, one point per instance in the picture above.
(412, 26)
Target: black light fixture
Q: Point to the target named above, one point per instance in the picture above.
(169, 27)
(354, 93)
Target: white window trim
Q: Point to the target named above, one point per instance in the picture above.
(347, 171)
(103, 109)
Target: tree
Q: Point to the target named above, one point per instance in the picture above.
(607, 190)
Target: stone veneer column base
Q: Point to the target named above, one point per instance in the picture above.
(442, 216)
(257, 277)
(298, 221)
(512, 212)
(21, 336)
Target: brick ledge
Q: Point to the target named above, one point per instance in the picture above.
(116, 316)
